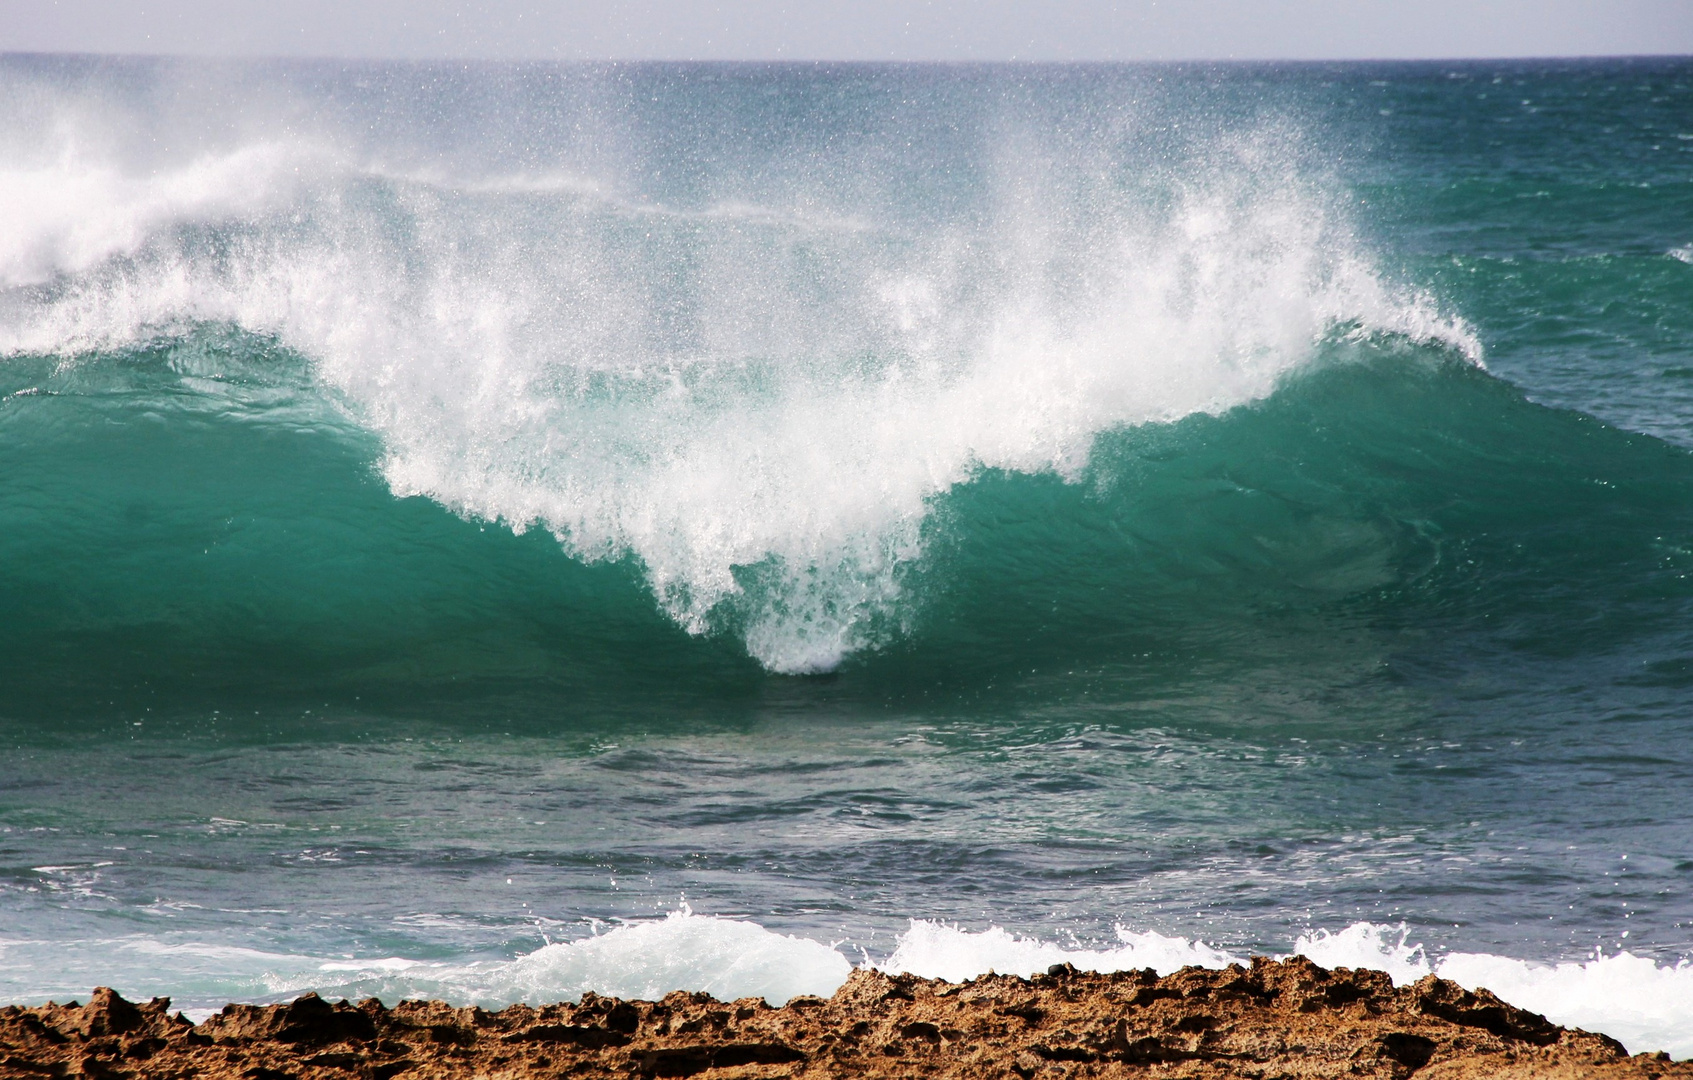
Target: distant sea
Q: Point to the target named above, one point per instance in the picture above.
(491, 531)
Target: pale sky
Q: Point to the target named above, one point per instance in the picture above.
(846, 30)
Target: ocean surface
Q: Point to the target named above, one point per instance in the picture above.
(493, 531)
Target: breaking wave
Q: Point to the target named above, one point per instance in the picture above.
(1645, 1005)
(755, 390)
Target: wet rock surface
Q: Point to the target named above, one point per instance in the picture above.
(1277, 1019)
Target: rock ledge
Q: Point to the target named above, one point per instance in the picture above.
(1277, 1019)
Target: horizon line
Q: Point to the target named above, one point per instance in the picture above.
(97, 54)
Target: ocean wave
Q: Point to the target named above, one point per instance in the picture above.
(727, 958)
(212, 500)
(756, 397)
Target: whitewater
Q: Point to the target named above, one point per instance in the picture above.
(1640, 1003)
(944, 519)
(507, 346)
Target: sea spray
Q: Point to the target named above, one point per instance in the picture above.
(757, 403)
(1643, 1004)
(938, 951)
(1647, 1006)
(727, 958)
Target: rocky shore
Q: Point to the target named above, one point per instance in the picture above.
(1277, 1019)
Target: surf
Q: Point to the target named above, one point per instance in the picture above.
(755, 396)
(1645, 1005)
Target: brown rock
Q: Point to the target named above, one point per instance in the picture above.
(1288, 1019)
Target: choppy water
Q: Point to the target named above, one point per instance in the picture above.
(1147, 515)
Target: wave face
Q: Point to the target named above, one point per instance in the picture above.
(194, 516)
(1208, 511)
(753, 380)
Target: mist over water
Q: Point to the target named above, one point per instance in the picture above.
(702, 373)
(1164, 513)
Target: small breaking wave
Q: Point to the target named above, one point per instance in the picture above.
(1646, 1005)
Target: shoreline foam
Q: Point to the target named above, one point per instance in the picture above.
(1283, 1018)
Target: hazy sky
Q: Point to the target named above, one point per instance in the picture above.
(862, 30)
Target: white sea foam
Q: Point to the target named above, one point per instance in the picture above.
(757, 398)
(728, 958)
(1644, 1005)
(939, 951)
(67, 214)
(1647, 1006)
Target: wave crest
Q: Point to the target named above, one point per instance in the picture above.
(757, 403)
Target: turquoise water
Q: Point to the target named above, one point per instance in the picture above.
(446, 510)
